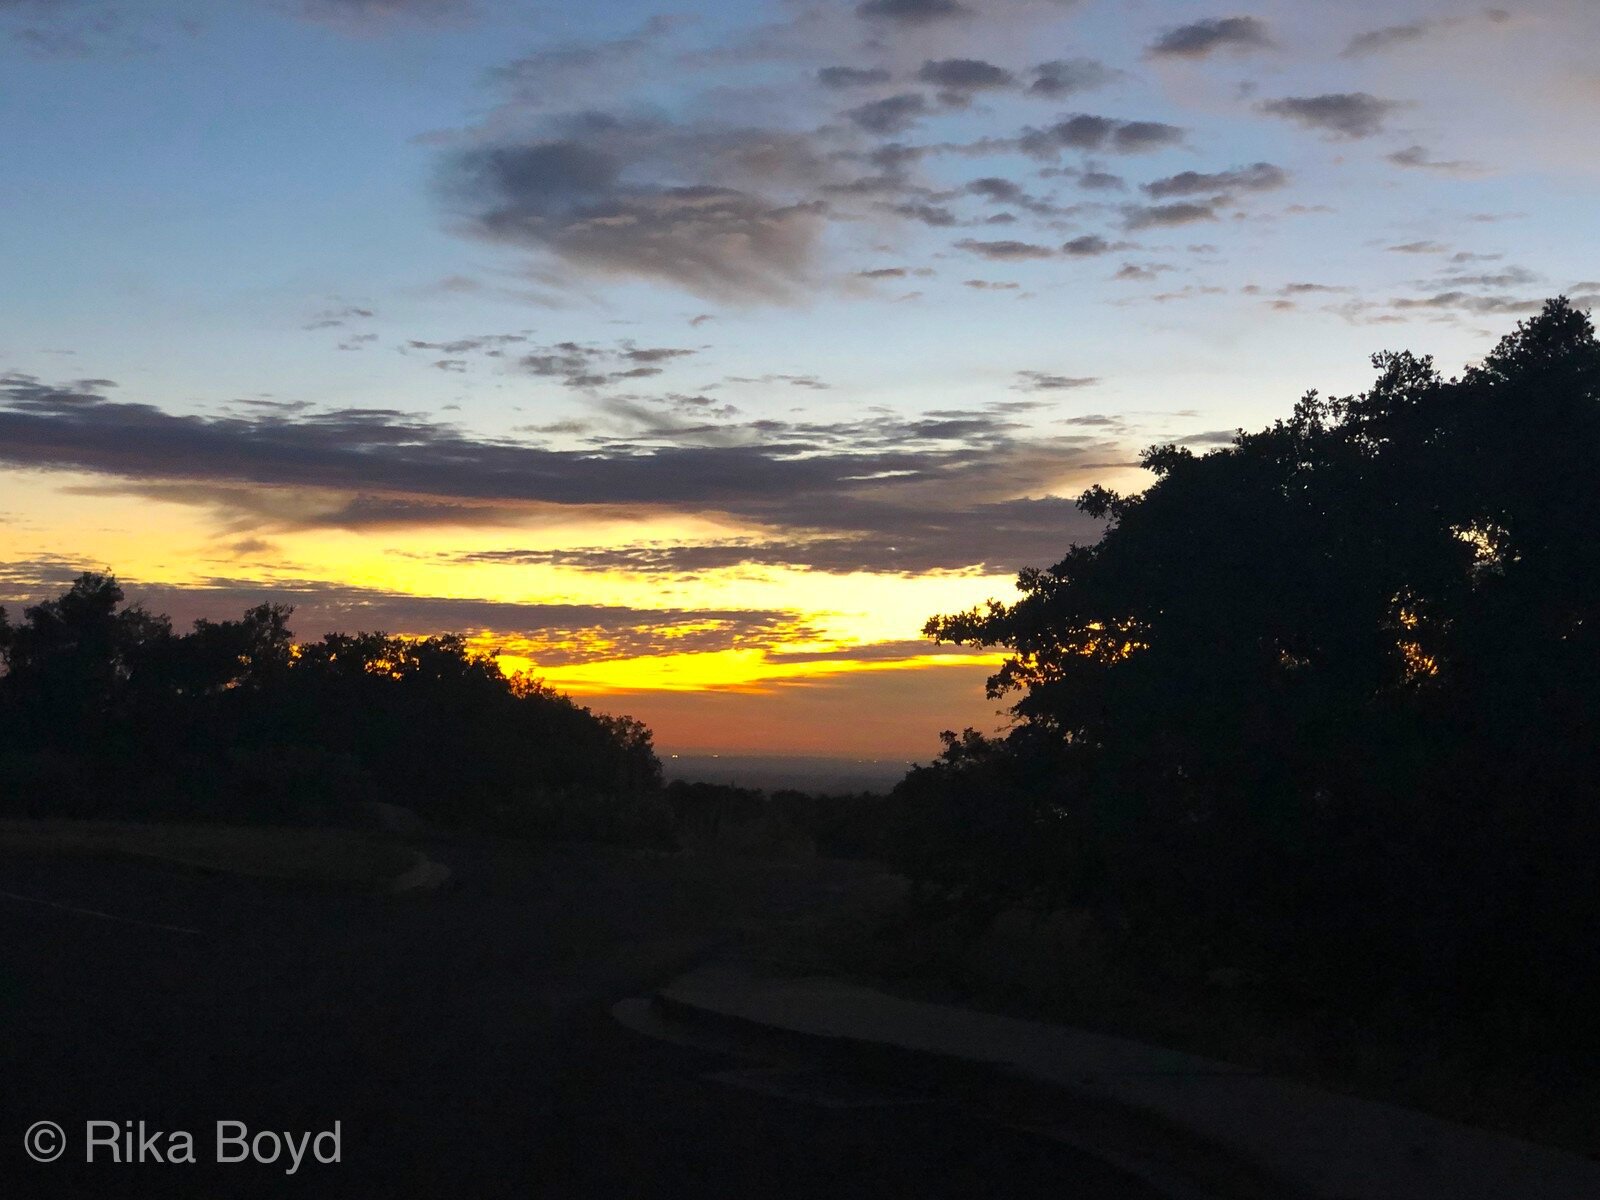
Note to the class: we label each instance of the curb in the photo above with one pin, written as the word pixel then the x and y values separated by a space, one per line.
pixel 1168 1155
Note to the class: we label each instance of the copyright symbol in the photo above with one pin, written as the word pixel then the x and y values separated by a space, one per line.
pixel 45 1141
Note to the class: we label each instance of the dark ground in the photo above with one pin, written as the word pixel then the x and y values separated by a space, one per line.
pixel 463 1040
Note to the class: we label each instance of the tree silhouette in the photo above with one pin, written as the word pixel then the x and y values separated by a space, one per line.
pixel 105 710
pixel 1325 696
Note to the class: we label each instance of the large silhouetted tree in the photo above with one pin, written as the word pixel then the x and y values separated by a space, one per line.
pixel 1327 697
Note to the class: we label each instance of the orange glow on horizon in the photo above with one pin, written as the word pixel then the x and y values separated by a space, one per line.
pixel 752 657
pixel 753 671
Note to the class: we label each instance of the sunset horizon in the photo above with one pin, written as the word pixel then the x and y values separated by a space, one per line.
pixel 810 598
pixel 692 362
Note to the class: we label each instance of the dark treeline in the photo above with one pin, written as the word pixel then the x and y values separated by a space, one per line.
pixel 1322 707
pixel 106 711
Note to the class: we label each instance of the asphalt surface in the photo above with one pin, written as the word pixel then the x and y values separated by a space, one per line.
pixel 462 1041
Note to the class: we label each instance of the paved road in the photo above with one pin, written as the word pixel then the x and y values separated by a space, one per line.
pixel 463 1041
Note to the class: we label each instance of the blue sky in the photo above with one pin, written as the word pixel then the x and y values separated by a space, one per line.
pixel 788 321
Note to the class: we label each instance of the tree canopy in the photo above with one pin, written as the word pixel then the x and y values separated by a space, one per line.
pixel 106 710
pixel 1327 695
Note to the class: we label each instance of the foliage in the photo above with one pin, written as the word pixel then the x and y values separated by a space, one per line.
pixel 1321 702
pixel 105 710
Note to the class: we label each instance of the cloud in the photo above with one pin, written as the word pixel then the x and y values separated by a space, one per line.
pixel 491 344
pixel 805 381
pixel 1389 36
pixel 61 30
pixel 367 16
pixel 1005 251
pixel 893 651
pixel 1467 302
pixel 1306 289
pixel 849 77
pixel 1416 157
pixel 1044 381
pixel 1187 292
pixel 1102 181
pixel 992 187
pixel 654 354
pixel 897 157
pixel 1142 272
pixel 1138 137
pixel 1006 191
pixel 334 318
pixel 965 75
pixel 1066 76
pixel 742 213
pixel 1086 131
pixel 578 365
pixel 990 537
pixel 79 29
pixel 570 74
pixel 866 493
pixel 1149 216
pixel 1088 246
pixel 1382 39
pixel 911 12
pixel 552 634
pixel 647 199
pixel 935 215
pixel 1422 247
pixel 887 183
pixel 1258 177
pixel 1510 277
pixel 1082 132
pixel 1201 38
pixel 1345 114
pixel 892 114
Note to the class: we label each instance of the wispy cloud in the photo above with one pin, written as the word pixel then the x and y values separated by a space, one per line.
pixel 1005 251
pixel 1418 158
pixel 1411 33
pixel 1258 177
pixel 1045 381
pixel 368 16
pixel 1151 216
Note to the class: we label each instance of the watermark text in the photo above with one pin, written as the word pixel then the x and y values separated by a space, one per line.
pixel 227 1142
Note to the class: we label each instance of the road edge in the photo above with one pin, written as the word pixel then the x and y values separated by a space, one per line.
pixel 1169 1155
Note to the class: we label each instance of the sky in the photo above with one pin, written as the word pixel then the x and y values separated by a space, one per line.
pixel 691 357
